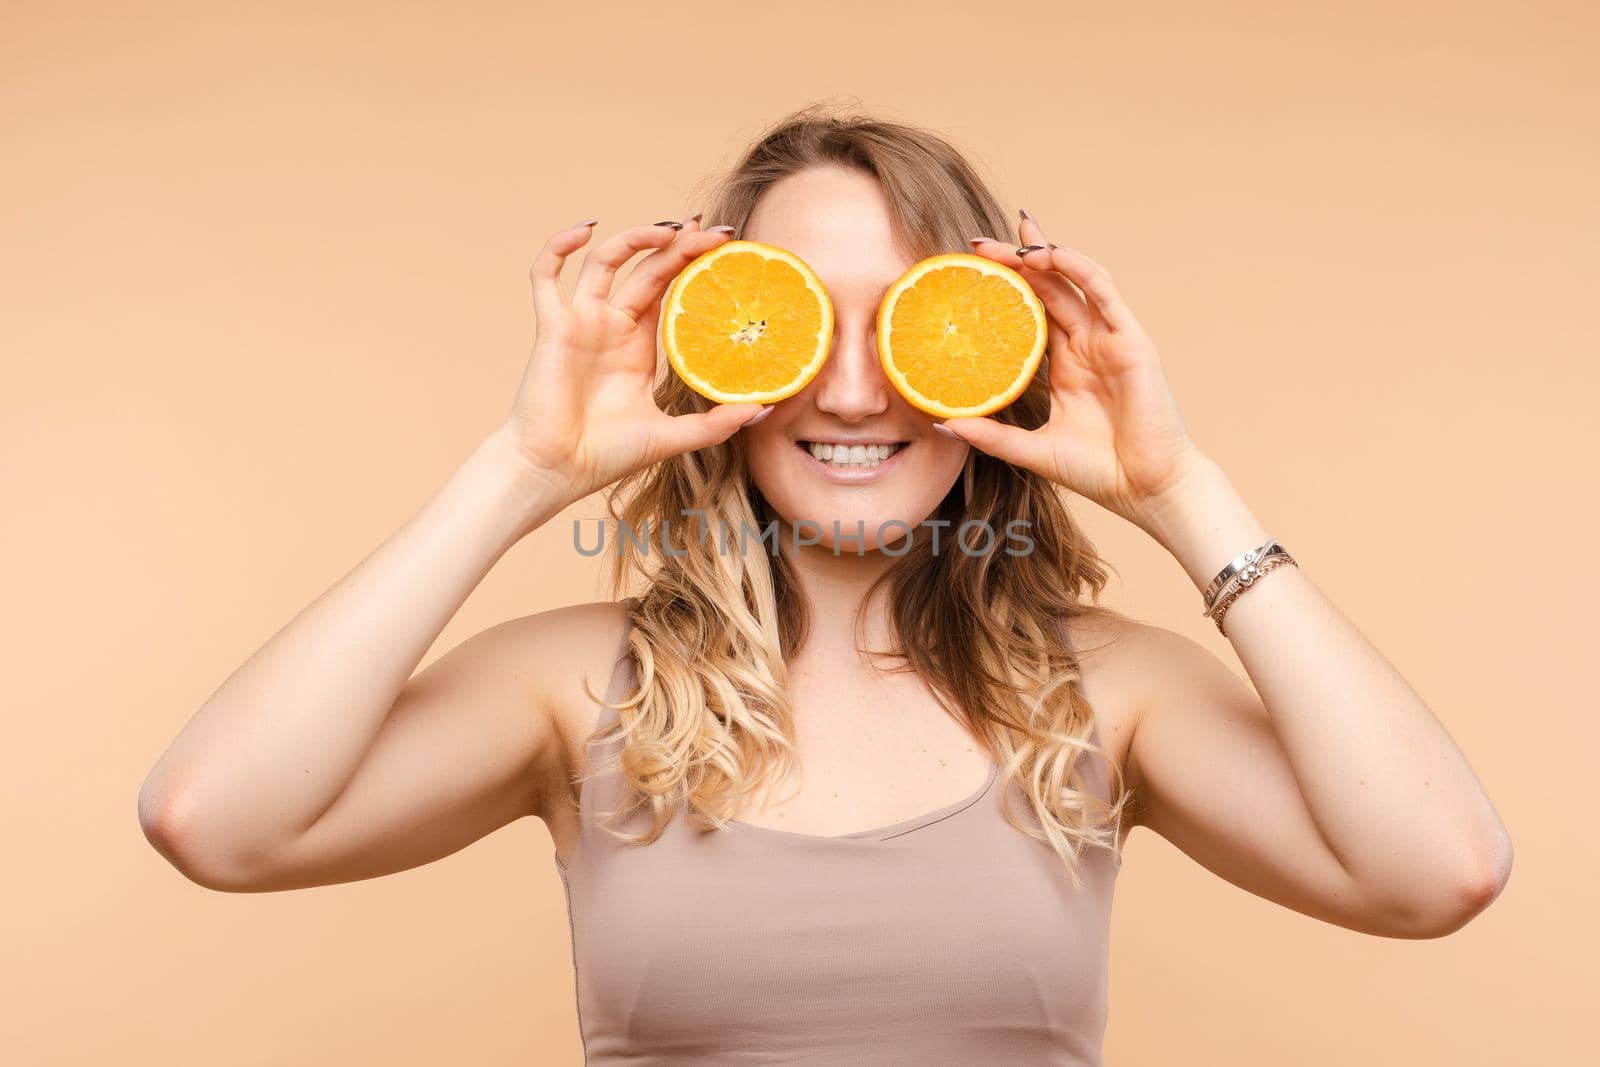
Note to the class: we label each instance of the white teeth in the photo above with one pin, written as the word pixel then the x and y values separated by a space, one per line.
pixel 851 456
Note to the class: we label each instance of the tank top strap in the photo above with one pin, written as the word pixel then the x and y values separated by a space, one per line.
pixel 1094 767
pixel 623 675
pixel 603 788
pixel 1096 770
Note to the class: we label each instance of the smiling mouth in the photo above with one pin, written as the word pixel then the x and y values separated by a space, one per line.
pixel 852 457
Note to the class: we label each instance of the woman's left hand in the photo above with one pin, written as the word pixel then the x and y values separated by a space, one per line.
pixel 1114 434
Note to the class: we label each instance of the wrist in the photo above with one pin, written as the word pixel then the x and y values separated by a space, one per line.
pixel 1159 514
pixel 528 494
pixel 1202 520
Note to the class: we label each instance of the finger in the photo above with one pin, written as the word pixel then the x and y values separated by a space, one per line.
pixel 995 249
pixel 1033 235
pixel 1023 448
pixel 1006 252
pixel 1060 299
pixel 600 265
pixel 1034 247
pixel 650 314
pixel 647 283
pixel 685 433
pixel 1029 230
pixel 1063 302
pixel 1095 281
pixel 545 275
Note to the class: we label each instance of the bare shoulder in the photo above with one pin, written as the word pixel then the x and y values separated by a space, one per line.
pixel 554 654
pixel 1119 661
pixel 1130 668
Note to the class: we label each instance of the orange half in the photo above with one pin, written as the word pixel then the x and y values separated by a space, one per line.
pixel 746 323
pixel 960 335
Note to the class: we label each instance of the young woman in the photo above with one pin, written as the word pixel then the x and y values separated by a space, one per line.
pixel 856 800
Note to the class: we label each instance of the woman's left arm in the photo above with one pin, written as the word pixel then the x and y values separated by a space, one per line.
pixel 1335 791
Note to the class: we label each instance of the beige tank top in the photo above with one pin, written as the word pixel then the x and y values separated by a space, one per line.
pixel 947 938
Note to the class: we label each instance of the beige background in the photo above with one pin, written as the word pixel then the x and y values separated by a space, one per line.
pixel 263 284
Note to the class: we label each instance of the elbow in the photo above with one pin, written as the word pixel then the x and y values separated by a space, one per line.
pixel 1455 897
pixel 170 825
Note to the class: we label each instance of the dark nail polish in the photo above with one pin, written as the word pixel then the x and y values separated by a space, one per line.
pixel 1052 245
pixel 591 222
pixel 672 224
pixel 695 217
pixel 1025 249
pixel 720 229
pixel 980 240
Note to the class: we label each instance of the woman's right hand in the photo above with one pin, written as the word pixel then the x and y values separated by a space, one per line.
pixel 584 415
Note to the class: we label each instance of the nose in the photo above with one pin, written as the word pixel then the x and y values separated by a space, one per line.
pixel 851 384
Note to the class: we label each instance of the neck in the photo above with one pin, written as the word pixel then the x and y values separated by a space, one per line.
pixel 835 587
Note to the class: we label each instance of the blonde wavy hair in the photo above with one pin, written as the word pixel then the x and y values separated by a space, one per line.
pixel 713 630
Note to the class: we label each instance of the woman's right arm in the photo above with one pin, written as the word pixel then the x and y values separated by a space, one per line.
pixel 321 759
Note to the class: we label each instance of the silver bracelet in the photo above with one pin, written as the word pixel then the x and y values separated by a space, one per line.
pixel 1239 575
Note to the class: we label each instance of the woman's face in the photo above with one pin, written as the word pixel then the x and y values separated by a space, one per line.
pixel 837 221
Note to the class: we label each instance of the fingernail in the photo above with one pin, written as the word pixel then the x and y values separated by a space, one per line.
pixel 1051 244
pixel 1024 213
pixel 720 229
pixel 758 416
pixel 695 217
pixel 1025 249
pixel 947 431
pixel 591 222
pixel 672 224
pixel 979 240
